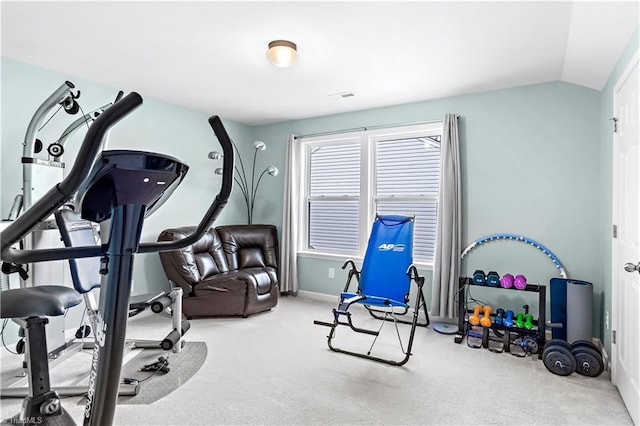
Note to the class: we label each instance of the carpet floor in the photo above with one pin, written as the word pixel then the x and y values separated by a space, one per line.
pixel 275 368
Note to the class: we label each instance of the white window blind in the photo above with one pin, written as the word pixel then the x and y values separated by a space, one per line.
pixel 407 177
pixel 333 226
pixel 351 177
pixel 334 193
pixel 407 167
pixel 335 170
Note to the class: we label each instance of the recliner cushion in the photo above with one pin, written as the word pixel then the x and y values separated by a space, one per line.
pixel 221 283
pixel 209 255
pixel 262 279
pixel 250 257
pixel 249 246
pixel 196 262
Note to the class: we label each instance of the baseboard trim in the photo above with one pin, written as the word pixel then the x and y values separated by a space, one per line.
pixel 323 297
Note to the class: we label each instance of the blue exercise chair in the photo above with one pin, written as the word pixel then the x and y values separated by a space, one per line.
pixel 383 285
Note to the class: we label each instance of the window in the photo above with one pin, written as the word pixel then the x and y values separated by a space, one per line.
pixel 351 177
pixel 334 197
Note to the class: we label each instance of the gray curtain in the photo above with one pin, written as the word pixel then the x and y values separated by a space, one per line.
pixel 290 229
pixel 446 268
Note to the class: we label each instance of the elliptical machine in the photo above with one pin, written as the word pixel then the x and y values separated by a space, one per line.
pixel 123 187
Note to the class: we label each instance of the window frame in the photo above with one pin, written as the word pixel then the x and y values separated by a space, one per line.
pixel 367 197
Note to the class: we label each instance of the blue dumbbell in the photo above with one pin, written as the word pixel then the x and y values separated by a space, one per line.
pixel 499 319
pixel 479 278
pixel 493 279
pixel 508 319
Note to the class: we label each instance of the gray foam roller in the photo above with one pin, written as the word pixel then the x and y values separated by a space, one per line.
pixel 579 311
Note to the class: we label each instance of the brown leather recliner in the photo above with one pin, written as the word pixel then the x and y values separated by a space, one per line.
pixel 232 270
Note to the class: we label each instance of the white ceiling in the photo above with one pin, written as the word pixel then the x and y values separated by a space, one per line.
pixel 210 56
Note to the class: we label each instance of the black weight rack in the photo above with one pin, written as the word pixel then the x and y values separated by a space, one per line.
pixel 537 332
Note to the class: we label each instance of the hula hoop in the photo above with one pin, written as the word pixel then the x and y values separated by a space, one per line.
pixel 521 238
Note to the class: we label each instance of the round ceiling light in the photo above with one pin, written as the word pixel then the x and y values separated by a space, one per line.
pixel 282 53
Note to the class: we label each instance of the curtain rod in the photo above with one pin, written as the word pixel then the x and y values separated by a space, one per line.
pixel 382 126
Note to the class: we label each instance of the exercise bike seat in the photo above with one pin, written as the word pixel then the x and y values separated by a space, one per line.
pixel 41 300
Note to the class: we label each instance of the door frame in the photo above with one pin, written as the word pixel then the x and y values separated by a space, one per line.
pixel 615 302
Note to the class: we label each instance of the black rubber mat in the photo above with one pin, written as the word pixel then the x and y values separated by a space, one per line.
pixel 156 385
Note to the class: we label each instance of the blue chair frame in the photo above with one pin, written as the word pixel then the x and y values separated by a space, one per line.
pixel 383 285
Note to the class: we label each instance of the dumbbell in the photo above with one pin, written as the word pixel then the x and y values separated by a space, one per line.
pixel 475 318
pixel 479 278
pixel 493 279
pixel 506 281
pixel 508 319
pixel 520 282
pixel 524 320
pixel 528 321
pixel 499 319
pixel 485 321
pixel 519 322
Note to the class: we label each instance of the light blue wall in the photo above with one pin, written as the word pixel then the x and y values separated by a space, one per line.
pixel 155 126
pixel 606 183
pixel 530 165
pixel 536 160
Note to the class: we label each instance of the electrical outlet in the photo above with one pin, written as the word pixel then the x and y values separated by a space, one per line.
pixel 332 273
pixel 606 320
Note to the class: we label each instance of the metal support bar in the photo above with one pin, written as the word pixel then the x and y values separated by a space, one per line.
pixel 126 226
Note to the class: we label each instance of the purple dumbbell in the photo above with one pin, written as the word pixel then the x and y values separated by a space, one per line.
pixel 506 281
pixel 520 282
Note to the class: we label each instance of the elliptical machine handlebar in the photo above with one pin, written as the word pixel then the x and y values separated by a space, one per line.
pixel 80 171
pixel 218 203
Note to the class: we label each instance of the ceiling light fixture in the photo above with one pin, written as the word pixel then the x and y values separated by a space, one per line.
pixel 282 53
